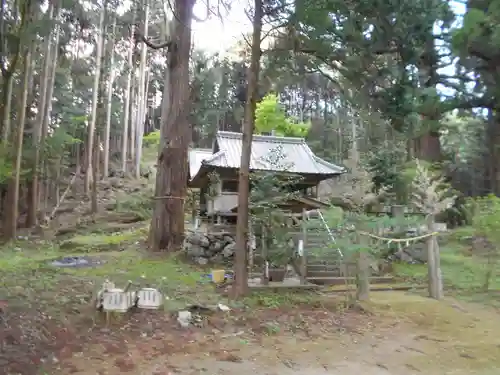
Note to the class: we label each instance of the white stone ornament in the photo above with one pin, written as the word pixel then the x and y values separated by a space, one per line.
pixel 149 298
pixel 117 300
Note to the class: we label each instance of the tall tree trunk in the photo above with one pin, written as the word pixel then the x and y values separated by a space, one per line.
pixel 95 97
pixel 493 155
pixel 165 108
pixel 240 285
pixel 428 145
pixel 127 103
pixel 107 130
pixel 11 222
pixel 95 175
pixel 168 218
pixel 43 188
pixel 141 110
pixel 133 117
pixel 42 104
pixel 6 107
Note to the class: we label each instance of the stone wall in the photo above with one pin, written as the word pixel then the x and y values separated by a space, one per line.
pixel 209 247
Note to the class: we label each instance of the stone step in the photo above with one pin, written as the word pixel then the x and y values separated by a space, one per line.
pixel 343 280
pixel 332 266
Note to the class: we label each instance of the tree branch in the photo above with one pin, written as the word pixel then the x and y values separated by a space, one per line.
pixel 140 38
pixel 471 103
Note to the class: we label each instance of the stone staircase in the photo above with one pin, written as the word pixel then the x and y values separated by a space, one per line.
pixel 327 264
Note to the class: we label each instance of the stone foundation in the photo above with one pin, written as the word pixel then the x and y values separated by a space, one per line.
pixel 209 247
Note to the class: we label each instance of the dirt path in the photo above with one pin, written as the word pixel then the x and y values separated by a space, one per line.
pixel 403 335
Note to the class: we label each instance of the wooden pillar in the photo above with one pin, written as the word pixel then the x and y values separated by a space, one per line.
pixel 435 282
pixel 397 212
pixel 265 263
pixel 363 272
pixel 250 247
pixel 302 249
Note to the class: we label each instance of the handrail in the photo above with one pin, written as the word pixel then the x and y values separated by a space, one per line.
pixel 330 234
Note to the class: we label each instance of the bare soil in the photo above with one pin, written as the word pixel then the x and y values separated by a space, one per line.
pixel 395 334
pixel 50 327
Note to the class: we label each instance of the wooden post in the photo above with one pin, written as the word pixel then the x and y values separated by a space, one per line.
pixel 302 249
pixel 250 246
pixel 194 212
pixel 397 212
pixel 363 273
pixel 439 275
pixel 433 263
pixel 265 264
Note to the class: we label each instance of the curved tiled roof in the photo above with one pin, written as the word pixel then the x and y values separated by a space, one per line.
pixel 271 153
pixel 295 154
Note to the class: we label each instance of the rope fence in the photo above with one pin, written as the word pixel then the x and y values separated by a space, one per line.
pixel 398 240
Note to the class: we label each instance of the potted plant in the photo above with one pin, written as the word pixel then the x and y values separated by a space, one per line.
pixel 278 259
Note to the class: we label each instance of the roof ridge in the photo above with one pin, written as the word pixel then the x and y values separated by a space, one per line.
pixel 214 156
pixel 262 138
pixel 328 164
pixel 316 159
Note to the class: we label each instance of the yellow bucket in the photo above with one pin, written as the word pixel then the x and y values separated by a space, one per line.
pixel 218 276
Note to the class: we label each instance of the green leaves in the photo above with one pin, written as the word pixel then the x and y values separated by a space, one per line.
pixel 470 30
pixel 269 116
pixel 486 219
pixel 152 138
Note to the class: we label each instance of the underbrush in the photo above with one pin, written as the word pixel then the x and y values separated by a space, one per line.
pixel 139 203
pixel 464 270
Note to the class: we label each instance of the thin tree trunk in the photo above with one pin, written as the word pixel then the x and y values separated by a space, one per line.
pixel 133 117
pixel 31 219
pixel 141 110
pixel 95 175
pixel 11 224
pixel 7 109
pixel 107 130
pixel 240 285
pixel 127 106
pixel 95 97
pixel 42 188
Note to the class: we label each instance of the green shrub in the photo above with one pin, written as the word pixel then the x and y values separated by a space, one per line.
pixel 152 139
pixel 486 223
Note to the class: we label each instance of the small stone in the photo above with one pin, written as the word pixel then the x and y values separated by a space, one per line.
pixel 65 353
pixel 228 251
pixel 223 307
pixel 125 364
pixel 201 261
pixel 184 318
pixel 114 348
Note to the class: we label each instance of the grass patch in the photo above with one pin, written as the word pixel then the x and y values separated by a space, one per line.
pixel 464 274
pixel 288 300
pixel 460 272
pixel 465 335
pixel 178 281
pixel 28 279
pixel 96 242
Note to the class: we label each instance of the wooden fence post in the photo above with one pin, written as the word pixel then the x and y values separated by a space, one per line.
pixel 302 249
pixel 433 263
